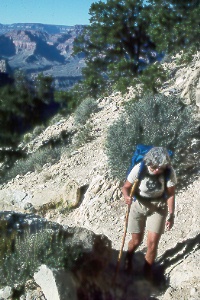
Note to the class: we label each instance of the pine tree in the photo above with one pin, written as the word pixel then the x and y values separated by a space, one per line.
pixel 175 24
pixel 126 36
pixel 116 45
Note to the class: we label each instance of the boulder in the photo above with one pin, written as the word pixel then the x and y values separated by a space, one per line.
pixel 6 293
pixel 11 199
pixel 71 193
pixel 84 254
pixel 55 284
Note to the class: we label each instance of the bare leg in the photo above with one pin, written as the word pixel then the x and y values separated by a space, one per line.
pixel 132 246
pixel 152 246
pixel 135 242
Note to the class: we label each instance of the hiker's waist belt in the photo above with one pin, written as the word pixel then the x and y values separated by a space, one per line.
pixel 142 198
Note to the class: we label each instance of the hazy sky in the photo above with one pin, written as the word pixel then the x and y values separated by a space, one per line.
pixel 59 12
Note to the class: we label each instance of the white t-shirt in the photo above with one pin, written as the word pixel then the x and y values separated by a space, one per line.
pixel 151 185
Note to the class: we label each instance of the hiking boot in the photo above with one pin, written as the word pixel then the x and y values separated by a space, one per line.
pixel 148 273
pixel 128 262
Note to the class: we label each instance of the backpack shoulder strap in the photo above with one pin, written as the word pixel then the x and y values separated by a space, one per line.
pixel 141 170
pixel 167 174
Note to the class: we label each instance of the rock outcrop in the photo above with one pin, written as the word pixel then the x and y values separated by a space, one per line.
pixel 185 82
pixel 85 255
pixel 61 283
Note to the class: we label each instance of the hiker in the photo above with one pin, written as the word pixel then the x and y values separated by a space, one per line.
pixel 152 205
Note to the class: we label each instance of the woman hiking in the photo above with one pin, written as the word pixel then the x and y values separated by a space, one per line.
pixel 152 206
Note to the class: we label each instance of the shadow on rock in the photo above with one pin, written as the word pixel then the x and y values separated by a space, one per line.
pixel 176 255
pixel 135 285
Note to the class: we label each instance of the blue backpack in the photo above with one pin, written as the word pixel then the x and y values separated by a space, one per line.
pixel 138 156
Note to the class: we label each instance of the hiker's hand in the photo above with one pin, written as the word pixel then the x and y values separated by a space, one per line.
pixel 170 221
pixel 169 224
pixel 128 200
pixel 126 190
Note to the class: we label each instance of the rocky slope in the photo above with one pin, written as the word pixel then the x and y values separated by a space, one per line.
pixel 81 179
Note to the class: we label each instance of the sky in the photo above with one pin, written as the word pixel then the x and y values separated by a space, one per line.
pixel 58 12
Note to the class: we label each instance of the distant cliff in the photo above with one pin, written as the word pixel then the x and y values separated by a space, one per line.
pixel 51 29
pixel 36 48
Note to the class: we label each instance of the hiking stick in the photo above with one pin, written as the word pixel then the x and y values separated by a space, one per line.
pixel 125 230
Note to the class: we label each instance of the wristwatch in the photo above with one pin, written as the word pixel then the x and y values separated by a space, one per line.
pixel 170 217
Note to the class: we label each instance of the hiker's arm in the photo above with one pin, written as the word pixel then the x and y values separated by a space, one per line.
pixel 126 192
pixel 171 207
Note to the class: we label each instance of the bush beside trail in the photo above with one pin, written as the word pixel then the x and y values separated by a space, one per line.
pixel 157 120
pixel 84 110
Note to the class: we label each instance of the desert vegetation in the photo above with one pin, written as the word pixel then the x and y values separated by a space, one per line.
pixel 157 120
pixel 21 253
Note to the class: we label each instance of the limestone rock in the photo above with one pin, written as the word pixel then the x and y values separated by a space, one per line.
pixel 6 293
pixel 55 284
pixel 71 193
pixel 186 82
pixel 10 198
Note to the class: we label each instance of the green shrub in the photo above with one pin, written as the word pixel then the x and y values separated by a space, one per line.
pixel 56 119
pixel 30 251
pixel 84 110
pixel 84 135
pixel 37 130
pixel 155 120
pixel 33 134
pixel 27 138
pixel 34 162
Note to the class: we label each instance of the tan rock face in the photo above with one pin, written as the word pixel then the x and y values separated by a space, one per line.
pixel 187 82
pixel 71 193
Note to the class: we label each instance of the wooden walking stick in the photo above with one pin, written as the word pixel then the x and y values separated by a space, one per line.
pixel 125 229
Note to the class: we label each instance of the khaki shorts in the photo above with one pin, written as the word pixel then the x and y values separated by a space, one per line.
pixel 147 214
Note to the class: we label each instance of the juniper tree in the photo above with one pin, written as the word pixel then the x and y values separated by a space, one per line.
pixel 174 24
pixel 116 44
pixel 125 36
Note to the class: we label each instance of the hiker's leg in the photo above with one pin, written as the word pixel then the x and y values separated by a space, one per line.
pixel 133 244
pixel 155 226
pixel 135 241
pixel 152 246
pixel 136 226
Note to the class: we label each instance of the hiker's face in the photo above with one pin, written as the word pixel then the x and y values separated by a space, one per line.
pixel 156 169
